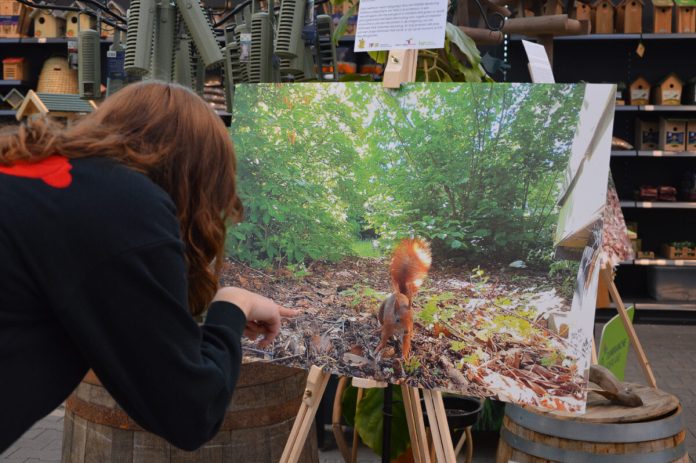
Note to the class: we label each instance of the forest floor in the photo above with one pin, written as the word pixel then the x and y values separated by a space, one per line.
pixel 485 333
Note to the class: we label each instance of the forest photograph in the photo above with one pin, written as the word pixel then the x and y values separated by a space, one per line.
pixel 413 231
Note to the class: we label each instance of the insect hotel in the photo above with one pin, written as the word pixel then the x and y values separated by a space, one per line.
pixel 629 17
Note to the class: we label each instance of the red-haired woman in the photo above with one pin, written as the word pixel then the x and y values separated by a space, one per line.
pixel 111 237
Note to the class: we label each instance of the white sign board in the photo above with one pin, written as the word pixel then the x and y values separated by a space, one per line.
pixel 539 65
pixel 400 24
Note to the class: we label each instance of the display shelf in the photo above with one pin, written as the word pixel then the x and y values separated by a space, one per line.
pixel 627 203
pixel 8 113
pixel 611 37
pixel 663 204
pixel 665 262
pixel 667 154
pixel 43 40
pixel 651 304
pixel 656 108
pixel 652 154
pixel 13 83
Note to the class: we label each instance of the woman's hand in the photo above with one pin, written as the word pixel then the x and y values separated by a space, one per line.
pixel 262 314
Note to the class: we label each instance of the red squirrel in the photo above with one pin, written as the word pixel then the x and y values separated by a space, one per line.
pixel 409 266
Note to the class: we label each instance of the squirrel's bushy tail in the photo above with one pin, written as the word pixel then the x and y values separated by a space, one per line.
pixel 409 266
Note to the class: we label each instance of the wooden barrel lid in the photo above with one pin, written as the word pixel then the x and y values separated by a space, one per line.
pixel 656 404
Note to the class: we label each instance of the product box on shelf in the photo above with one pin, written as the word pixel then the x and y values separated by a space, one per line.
pixel 12 19
pixel 647 135
pixel 668 91
pixel 672 283
pixel 672 134
pixel 691 135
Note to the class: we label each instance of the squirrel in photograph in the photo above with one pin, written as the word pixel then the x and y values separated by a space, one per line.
pixel 409 266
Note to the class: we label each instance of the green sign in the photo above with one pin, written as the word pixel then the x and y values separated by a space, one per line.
pixel 613 346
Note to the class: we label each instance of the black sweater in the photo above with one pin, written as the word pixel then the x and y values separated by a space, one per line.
pixel 92 275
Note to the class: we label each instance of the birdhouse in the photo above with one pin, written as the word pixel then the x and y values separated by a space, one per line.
pixel 106 30
pixel 662 16
pixel 689 92
pixel 603 17
pixel 581 11
pixel 686 16
pixel 552 7
pixel 668 91
pixel 629 17
pixel 639 92
pixel 57 105
pixel 76 22
pixel 48 24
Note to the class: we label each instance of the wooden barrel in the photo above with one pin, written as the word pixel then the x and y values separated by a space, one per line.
pixel 606 433
pixel 255 429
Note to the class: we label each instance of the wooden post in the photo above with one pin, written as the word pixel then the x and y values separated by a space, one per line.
pixel 316 385
pixel 401 67
pixel 605 274
pixel 416 425
pixel 442 441
pixel 336 420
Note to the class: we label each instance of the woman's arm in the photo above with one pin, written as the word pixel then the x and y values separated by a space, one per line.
pixel 129 318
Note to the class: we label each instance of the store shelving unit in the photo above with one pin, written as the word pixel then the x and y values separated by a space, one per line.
pixel 612 59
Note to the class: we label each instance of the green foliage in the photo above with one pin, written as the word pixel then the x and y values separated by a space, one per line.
pixel 362 295
pixel 365 249
pixel 566 272
pixel 474 169
pixel 412 365
pixel 437 308
pixel 369 420
pixel 491 417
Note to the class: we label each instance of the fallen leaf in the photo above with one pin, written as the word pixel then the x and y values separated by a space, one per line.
pixel 355 360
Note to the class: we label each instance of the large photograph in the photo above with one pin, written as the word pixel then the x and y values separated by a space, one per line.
pixel 415 231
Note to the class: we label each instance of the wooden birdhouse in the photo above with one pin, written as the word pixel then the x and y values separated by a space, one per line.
pixel 639 92
pixel 57 105
pixel 686 16
pixel 48 23
pixel 668 91
pixel 552 7
pixel 76 21
pixel 629 17
pixel 603 17
pixel 106 30
pixel 662 16
pixel 581 11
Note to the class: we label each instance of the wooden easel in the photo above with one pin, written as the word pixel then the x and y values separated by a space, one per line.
pixel 605 273
pixel 401 67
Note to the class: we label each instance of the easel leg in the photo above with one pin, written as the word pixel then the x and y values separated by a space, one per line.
pixel 416 426
pixel 442 441
pixel 605 274
pixel 336 420
pixel 316 385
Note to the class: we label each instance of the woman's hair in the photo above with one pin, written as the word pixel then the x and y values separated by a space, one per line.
pixel 170 134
